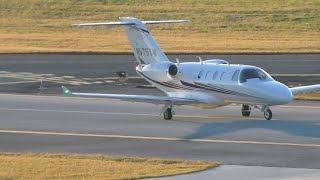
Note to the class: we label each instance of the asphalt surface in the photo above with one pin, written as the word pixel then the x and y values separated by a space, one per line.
pixel 60 124
pixel 23 73
pixel 82 65
pixel 64 124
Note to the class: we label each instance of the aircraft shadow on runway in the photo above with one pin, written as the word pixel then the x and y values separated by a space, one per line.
pixel 306 129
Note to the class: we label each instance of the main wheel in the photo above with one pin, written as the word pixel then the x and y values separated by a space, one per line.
pixel 245 110
pixel 167 115
pixel 268 114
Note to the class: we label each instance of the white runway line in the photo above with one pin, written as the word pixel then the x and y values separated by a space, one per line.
pixel 25 73
pixel 160 138
pixel 18 82
pixel 82 98
pixel 69 77
pixel 47 77
pixel 295 106
pixel 115 113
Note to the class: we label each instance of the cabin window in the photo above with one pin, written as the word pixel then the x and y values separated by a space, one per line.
pixel 214 76
pixel 208 74
pixel 200 74
pixel 222 75
pixel 235 75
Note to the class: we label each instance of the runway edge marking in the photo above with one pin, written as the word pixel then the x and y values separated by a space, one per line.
pixel 159 138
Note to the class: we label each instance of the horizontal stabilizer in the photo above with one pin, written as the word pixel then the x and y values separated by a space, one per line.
pixel 105 24
pixel 129 23
pixel 165 22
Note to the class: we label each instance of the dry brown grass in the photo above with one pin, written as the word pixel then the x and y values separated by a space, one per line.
pixel 216 26
pixel 181 42
pixel 314 95
pixel 75 166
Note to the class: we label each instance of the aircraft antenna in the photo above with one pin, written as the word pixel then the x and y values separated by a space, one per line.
pixel 177 60
pixel 200 59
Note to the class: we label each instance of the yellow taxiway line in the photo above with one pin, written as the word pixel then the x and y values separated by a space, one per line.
pixel 159 138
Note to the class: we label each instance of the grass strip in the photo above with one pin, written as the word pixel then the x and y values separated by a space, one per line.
pixel 216 26
pixel 76 166
pixel 314 95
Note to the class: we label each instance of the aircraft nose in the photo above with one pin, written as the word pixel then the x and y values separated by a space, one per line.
pixel 280 94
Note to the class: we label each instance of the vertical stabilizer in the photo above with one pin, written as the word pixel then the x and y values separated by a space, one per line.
pixel 145 48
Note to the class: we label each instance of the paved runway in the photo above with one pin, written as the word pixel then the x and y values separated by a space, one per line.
pixel 64 124
pixel 92 66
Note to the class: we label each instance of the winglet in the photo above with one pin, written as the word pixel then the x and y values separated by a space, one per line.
pixel 66 91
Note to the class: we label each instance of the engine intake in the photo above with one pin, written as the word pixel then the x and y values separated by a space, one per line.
pixel 173 70
pixel 161 72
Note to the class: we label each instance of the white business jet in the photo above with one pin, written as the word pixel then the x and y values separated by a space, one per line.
pixel 207 83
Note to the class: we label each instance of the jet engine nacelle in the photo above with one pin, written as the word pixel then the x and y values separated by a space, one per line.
pixel 161 72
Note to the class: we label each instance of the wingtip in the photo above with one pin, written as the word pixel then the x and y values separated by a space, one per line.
pixel 66 90
pixel 75 25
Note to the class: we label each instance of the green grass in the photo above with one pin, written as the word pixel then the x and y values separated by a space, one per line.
pixel 220 25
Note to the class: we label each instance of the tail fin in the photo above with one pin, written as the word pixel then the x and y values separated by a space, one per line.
pixel 145 48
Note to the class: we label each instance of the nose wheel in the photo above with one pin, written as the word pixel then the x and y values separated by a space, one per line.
pixel 267 114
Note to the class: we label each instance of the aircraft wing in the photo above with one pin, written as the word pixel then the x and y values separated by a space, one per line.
pixel 136 98
pixel 302 89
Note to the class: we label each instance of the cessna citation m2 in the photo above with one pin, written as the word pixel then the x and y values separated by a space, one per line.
pixel 208 84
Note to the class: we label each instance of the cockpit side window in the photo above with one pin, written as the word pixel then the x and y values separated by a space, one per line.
pixel 235 75
pixel 262 74
pixel 248 74
pixel 253 73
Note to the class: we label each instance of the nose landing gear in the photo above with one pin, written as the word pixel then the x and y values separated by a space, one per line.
pixel 246 110
pixel 267 113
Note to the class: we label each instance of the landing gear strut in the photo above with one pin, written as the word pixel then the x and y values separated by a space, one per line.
pixel 246 110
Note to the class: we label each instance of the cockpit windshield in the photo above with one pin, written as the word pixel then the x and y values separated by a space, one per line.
pixel 251 73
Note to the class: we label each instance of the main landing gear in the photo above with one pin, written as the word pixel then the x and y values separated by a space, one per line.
pixel 246 110
pixel 167 111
